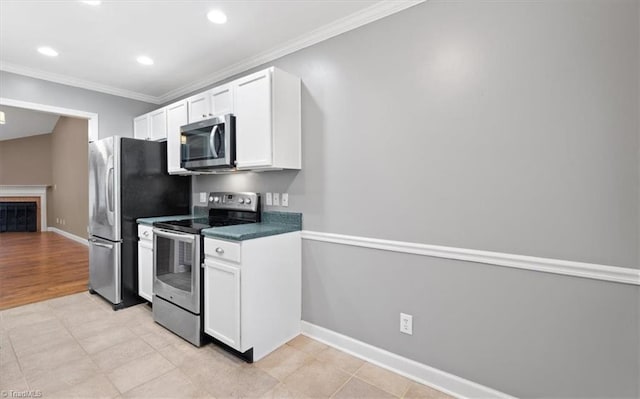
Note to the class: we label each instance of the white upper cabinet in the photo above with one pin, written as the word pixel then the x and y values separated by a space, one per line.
pixel 253 120
pixel 158 124
pixel 221 100
pixel 199 108
pixel 214 102
pixel 151 126
pixel 141 127
pixel 177 116
pixel 266 105
pixel 268 121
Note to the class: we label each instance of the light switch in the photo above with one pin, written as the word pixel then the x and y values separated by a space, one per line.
pixel 285 199
pixel 203 198
pixel 276 199
pixel 269 199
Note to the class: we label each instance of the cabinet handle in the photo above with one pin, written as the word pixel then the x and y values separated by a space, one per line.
pixel 220 250
pixel 210 114
pixel 204 115
pixel 146 234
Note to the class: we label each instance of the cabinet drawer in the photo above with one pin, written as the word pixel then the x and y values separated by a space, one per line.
pixel 220 249
pixel 145 232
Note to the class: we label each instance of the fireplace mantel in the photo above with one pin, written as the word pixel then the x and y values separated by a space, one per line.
pixel 29 191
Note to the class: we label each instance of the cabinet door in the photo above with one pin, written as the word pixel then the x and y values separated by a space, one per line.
pixel 145 270
pixel 141 127
pixel 221 100
pixel 222 302
pixel 158 125
pixel 176 117
pixel 253 120
pixel 199 107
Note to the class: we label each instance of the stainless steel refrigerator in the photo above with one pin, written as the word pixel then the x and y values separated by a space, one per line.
pixel 127 180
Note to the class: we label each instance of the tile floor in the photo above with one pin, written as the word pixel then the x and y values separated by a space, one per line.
pixel 76 346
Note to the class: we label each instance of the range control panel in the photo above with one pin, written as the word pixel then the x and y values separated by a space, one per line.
pixel 237 201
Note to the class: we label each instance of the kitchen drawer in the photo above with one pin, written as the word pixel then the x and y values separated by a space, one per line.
pixel 220 249
pixel 145 232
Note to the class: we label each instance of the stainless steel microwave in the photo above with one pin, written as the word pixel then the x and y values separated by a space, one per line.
pixel 209 144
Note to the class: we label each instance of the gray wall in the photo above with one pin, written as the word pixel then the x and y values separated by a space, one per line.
pixel 115 114
pixel 503 126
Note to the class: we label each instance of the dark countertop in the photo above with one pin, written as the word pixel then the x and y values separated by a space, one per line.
pixel 272 223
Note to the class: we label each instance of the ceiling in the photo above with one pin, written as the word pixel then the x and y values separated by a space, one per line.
pixel 98 45
pixel 22 122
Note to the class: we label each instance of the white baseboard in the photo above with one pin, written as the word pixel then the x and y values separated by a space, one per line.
pixel 421 373
pixel 73 237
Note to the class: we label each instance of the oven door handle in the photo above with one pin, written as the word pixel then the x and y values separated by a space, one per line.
pixel 175 236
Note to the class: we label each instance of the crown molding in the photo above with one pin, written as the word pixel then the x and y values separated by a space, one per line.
pixel 370 14
pixel 350 22
pixel 75 82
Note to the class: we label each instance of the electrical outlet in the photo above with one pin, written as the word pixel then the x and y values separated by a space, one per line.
pixel 276 199
pixel 203 198
pixel 406 323
pixel 269 199
pixel 58 220
pixel 63 222
pixel 285 199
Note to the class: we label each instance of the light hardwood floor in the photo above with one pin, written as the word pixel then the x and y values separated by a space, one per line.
pixel 39 266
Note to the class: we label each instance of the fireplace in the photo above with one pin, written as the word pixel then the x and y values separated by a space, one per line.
pixel 26 194
pixel 18 217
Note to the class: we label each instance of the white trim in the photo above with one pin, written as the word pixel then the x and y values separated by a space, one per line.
pixel 370 14
pixel 73 237
pixel 75 82
pixel 92 126
pixel 29 191
pixel 437 379
pixel 569 268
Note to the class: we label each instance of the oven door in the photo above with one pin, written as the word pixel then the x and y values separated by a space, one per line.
pixel 208 144
pixel 176 271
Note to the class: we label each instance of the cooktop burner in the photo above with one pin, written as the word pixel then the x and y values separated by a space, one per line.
pixel 196 225
pixel 225 209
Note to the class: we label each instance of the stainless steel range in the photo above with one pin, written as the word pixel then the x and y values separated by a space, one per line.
pixel 178 255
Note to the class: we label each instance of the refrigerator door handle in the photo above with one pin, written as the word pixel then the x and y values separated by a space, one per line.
pixel 99 244
pixel 110 199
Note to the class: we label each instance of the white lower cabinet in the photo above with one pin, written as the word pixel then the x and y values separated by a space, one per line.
pixel 222 298
pixel 145 262
pixel 252 292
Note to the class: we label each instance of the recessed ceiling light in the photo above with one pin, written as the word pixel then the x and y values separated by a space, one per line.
pixel 48 51
pixel 92 2
pixel 217 17
pixel 144 60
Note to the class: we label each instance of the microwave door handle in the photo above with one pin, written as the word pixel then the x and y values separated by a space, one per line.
pixel 212 141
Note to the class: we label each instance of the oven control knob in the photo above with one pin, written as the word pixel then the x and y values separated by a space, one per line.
pixel 240 200
pixel 216 199
pixel 211 199
pixel 247 201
